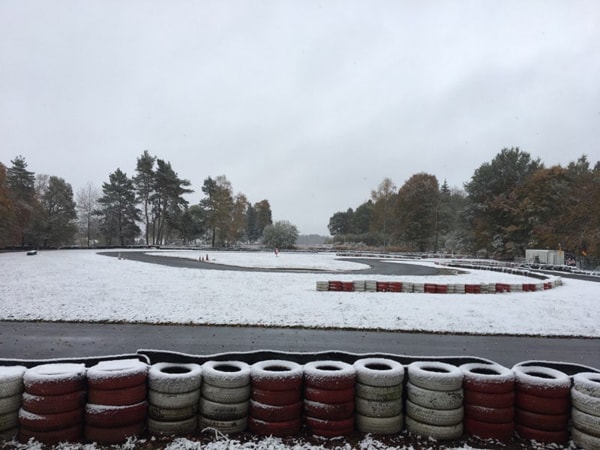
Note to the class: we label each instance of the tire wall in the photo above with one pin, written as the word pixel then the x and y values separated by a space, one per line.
pixel 327 394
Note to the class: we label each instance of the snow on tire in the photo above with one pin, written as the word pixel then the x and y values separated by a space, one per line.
pixel 379 372
pixel 115 416
pixel 53 404
pixel 588 423
pixel 329 395
pixel 223 411
pixel 55 379
pixel 488 378
pixel 271 413
pixel 179 400
pixel 11 380
pixel 50 422
pixel 175 427
pixel 113 435
pixel 330 428
pixel 118 397
pixel 437 417
pixel 117 374
pixel 224 426
pixel 276 398
pixel 174 378
pixel 585 440
pixel 226 374
pixel 328 411
pixel 587 383
pixel 379 425
pixel 434 431
pixel 435 376
pixel 585 403
pixel 378 393
pixel 434 399
pixel 333 375
pixel 226 395
pixel 489 415
pixel 542 381
pixel 377 409
pixel 277 429
pixel 276 375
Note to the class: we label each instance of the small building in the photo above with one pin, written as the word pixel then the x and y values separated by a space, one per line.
pixel 554 257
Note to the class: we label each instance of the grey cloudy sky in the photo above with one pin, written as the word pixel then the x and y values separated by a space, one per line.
pixel 306 103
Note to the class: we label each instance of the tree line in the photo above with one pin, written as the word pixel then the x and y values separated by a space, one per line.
pixel 148 208
pixel 510 204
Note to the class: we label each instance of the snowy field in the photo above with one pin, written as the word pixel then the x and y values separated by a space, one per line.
pixel 87 287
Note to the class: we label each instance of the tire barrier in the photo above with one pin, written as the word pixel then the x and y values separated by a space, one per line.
pixel 225 396
pixel 585 412
pixel 434 405
pixel 276 398
pixel 173 396
pixel 433 288
pixel 378 396
pixel 340 393
pixel 53 410
pixel 329 398
pixel 489 401
pixel 11 389
pixel 117 401
pixel 542 404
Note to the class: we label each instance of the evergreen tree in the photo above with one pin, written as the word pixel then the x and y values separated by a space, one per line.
pixel 118 211
pixel 263 216
pixel 144 182
pixel 217 205
pixel 21 186
pixel 59 213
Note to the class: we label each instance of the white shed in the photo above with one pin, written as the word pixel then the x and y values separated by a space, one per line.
pixel 555 257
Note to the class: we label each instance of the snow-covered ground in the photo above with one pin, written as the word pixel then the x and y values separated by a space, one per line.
pixel 84 286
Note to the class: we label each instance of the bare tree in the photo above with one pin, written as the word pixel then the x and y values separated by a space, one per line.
pixel 87 203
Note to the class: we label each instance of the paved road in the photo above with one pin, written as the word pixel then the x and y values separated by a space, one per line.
pixel 43 340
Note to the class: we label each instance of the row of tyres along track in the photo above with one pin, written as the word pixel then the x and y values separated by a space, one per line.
pixel 376 266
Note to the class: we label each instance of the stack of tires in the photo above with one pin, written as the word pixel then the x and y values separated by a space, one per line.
pixel 117 405
pixel 276 398
pixel 489 399
pixel 329 398
pixel 53 403
pixel 585 415
pixel 378 396
pixel 173 396
pixel 11 388
pixel 543 397
pixel 434 405
pixel 225 398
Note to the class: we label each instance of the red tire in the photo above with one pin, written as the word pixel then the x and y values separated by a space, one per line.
pixel 488 378
pixel 276 398
pixel 50 422
pixel 115 416
pixel 329 395
pixel 113 435
pixel 118 397
pixel 330 428
pixel 270 413
pixel 485 430
pixel 557 437
pixel 117 374
pixel 544 405
pixel 53 404
pixel 329 375
pixel 545 422
pixel 276 375
pixel 542 381
pixel 71 434
pixel 329 411
pixel 504 400
pixel 277 429
pixel 55 379
pixel 489 415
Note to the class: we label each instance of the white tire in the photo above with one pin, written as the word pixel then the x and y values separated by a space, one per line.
pixel 373 408
pixel 379 372
pixel 226 395
pixel 435 376
pixel 223 411
pixel 587 383
pixel 11 380
pixel 227 374
pixel 379 425
pixel 172 427
pixel 440 433
pixel 585 440
pixel 10 404
pixel 224 426
pixel 434 399
pixel 437 417
pixel 381 394
pixel 173 401
pixel 9 421
pixel 587 423
pixel 174 378
pixel 172 414
pixel 585 403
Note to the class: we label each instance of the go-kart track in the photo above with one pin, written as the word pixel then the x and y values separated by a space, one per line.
pixel 74 331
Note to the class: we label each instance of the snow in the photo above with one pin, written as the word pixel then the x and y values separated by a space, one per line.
pixel 54 373
pixel 117 369
pixel 542 377
pixel 83 286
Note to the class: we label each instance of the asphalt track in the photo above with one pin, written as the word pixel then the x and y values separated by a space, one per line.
pixel 49 340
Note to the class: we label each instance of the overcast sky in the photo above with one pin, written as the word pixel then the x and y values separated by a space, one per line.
pixel 308 104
